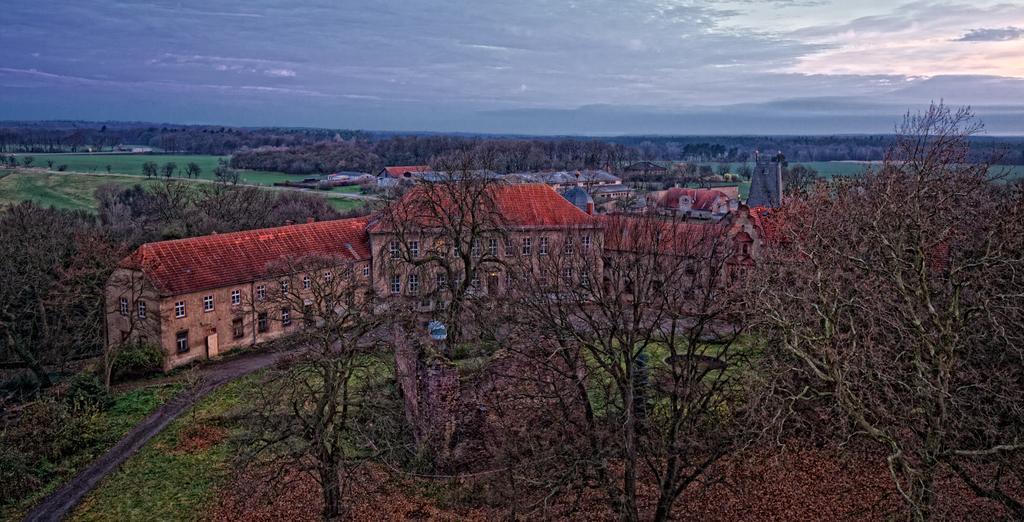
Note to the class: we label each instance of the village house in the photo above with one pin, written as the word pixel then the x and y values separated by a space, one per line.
pixel 390 177
pixel 200 297
pixel 645 168
pixel 692 203
pixel 565 179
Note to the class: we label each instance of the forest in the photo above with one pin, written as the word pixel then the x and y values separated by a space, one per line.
pixel 309 150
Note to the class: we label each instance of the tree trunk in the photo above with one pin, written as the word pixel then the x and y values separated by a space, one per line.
pixel 922 493
pixel 330 484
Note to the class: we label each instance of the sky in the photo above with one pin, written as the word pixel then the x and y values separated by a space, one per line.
pixel 515 66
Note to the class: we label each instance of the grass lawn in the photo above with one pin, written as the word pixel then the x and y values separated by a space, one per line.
pixel 176 475
pixel 129 409
pixel 131 164
pixel 74 191
pixel 67 191
pixel 343 205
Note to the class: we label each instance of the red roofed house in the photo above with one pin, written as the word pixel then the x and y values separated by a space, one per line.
pixel 193 297
pixel 391 176
pixel 707 204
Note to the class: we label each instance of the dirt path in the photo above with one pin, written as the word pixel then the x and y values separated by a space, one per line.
pixel 59 504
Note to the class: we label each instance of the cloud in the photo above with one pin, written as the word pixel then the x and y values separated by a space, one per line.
pixel 280 73
pixel 1004 34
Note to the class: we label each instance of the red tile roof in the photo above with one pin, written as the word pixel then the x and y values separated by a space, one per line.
pixel 703 199
pixel 519 205
pixel 188 265
pixel 769 223
pixel 647 234
pixel 400 171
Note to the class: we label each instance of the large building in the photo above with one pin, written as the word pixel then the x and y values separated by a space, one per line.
pixel 197 298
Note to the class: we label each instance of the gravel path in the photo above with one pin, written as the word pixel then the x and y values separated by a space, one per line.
pixel 61 502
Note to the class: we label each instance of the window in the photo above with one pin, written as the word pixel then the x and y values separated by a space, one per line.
pixel 567 276
pixel 393 249
pixel 414 248
pixel 328 277
pixel 261 322
pixel 510 248
pixel 124 306
pixel 442 280
pixel 286 316
pixel 208 303
pixel 527 247
pixel 567 246
pixel 284 286
pixel 181 341
pixel 308 317
pixel 236 297
pixel 414 284
pixel 585 280
pixel 366 270
pixel 492 247
pixel 475 281
pixel 396 284
pixel 142 309
pixel 261 292
pixel 179 309
pixel 542 246
pixel 476 248
pixel 237 327
pixel 585 241
pixel 306 282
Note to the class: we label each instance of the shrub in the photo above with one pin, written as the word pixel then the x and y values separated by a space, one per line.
pixel 87 392
pixel 137 360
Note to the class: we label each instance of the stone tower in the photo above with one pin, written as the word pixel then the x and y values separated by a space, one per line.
pixel 766 182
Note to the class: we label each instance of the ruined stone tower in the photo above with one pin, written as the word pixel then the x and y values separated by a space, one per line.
pixel 766 182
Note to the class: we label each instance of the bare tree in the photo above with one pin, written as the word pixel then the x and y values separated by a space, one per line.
pixel 192 170
pixel 888 304
pixel 169 168
pixel 315 408
pixel 798 179
pixel 639 357
pixel 149 169
pixel 444 231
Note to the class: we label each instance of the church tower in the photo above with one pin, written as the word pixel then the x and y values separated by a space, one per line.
pixel 766 182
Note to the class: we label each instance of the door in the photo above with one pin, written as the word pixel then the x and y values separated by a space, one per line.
pixel 212 350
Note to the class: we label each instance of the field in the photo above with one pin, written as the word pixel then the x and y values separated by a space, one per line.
pixel 131 164
pixel 73 191
pixel 67 191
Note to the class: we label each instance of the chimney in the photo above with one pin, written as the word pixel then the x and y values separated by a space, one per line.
pixel 590 208
pixel 310 219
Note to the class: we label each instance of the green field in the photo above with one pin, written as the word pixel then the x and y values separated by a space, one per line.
pixel 131 164
pixel 67 191
pixel 75 191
